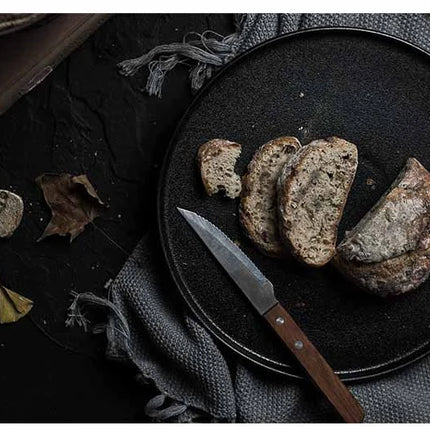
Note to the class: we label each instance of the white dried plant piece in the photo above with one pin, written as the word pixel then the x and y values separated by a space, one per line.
pixel 11 211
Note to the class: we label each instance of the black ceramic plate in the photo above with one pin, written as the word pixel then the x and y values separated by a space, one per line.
pixel 370 89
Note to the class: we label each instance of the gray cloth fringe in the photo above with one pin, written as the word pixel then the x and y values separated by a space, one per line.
pixel 155 408
pixel 76 315
pixel 170 347
pixel 204 53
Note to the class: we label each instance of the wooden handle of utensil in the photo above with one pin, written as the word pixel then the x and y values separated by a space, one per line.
pixel 315 365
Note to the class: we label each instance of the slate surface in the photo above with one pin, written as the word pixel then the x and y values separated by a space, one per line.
pixel 84 118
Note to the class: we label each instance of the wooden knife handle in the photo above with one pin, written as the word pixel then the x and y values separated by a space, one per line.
pixel 315 365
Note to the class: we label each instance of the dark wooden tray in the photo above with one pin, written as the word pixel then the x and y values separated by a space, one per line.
pixel 28 56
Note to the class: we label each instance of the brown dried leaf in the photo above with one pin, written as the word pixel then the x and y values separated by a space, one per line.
pixel 73 202
pixel 13 306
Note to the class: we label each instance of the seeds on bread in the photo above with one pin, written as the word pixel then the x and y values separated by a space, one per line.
pixel 217 159
pixel 313 187
pixel 388 251
pixel 258 206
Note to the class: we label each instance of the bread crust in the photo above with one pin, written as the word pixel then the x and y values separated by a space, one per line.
pixel 251 182
pixel 289 181
pixel 398 226
pixel 398 223
pixel 391 277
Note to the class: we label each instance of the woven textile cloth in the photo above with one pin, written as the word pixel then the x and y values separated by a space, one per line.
pixel 197 378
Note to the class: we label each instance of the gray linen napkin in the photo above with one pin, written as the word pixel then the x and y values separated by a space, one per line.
pixel 151 327
pixel 195 378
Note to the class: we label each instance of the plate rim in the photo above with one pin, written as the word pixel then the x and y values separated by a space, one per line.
pixel 291 371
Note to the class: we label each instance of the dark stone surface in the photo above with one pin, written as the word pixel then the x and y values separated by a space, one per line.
pixel 84 118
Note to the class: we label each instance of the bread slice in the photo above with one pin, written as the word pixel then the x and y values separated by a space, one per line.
pixel 388 251
pixel 258 209
pixel 397 223
pixel 312 191
pixel 217 159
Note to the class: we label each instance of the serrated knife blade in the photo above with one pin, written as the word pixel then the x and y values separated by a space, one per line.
pixel 256 287
pixel 259 290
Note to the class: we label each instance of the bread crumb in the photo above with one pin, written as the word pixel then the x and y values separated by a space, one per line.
pixel 371 183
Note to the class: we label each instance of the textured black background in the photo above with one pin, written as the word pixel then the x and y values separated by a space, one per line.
pixel 84 118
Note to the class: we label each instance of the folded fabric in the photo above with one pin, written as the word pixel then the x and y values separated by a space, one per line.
pixel 151 327
pixel 199 380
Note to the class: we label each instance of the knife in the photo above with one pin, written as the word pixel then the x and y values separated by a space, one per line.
pixel 259 291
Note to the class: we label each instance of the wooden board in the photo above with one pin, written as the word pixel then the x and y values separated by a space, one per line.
pixel 28 56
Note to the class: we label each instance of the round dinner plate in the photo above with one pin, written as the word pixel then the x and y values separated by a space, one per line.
pixel 368 88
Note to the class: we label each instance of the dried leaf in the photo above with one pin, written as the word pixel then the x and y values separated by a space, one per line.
pixel 13 306
pixel 73 202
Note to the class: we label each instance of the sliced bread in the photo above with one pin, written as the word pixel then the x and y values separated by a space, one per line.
pixel 217 159
pixel 258 206
pixel 397 223
pixel 391 277
pixel 388 251
pixel 313 187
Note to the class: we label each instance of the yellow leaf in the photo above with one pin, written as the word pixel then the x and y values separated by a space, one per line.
pixel 13 306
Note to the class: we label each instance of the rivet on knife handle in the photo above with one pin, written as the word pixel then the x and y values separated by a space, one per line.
pixel 315 365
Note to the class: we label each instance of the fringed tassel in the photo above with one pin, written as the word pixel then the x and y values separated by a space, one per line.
pixel 153 410
pixel 209 50
pixel 76 316
pixel 157 73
